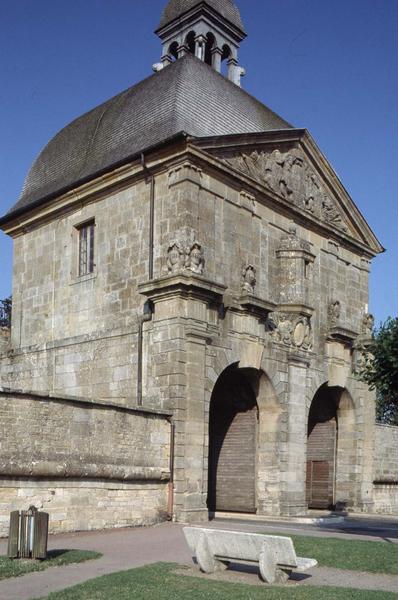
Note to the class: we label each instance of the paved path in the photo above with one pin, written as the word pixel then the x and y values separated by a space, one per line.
pixel 128 548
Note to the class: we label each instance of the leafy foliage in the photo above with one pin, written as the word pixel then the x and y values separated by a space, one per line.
pixel 379 370
pixel 5 312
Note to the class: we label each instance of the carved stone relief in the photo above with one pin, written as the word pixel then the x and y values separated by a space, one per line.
pixel 334 312
pixel 195 258
pixel 249 279
pixel 290 175
pixel 291 241
pixel 368 323
pixel 175 257
pixel 185 255
pixel 292 330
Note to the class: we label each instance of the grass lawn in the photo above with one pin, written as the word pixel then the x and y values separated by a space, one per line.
pixel 355 555
pixel 55 558
pixel 158 582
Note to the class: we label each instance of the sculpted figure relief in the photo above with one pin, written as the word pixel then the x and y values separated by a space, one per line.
pixel 185 255
pixel 175 257
pixel 195 258
pixel 334 312
pixel 368 323
pixel 249 279
pixel 291 176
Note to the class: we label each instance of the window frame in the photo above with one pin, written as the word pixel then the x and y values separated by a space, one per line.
pixel 86 249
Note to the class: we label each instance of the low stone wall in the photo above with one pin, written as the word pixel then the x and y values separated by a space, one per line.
pixel 386 469
pixel 90 465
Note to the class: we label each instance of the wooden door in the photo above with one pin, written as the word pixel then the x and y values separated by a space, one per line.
pixel 233 443
pixel 321 452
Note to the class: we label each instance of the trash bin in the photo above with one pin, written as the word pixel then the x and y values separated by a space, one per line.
pixel 28 534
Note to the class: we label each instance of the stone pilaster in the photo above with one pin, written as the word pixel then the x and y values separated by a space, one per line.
pixel 293 495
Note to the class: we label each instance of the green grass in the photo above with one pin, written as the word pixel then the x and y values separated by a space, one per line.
pixel 158 582
pixel 355 555
pixel 56 558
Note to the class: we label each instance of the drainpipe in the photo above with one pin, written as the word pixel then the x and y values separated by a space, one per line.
pixel 144 318
pixel 151 180
pixel 170 501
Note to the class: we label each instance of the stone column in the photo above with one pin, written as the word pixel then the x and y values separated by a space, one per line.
pixel 181 330
pixel 200 45
pixel 217 55
pixel 293 497
pixel 192 492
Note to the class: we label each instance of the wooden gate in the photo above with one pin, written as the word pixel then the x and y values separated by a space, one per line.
pixel 233 443
pixel 321 453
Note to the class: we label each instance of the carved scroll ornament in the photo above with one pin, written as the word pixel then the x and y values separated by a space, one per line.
pixel 292 330
pixel 290 175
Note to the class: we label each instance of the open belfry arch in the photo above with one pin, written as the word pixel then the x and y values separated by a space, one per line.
pixel 190 296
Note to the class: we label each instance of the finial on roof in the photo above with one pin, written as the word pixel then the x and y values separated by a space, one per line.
pixel 210 29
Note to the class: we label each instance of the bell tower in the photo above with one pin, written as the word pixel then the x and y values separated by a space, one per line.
pixel 211 30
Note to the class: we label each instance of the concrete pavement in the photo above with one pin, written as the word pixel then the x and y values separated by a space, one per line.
pixel 128 548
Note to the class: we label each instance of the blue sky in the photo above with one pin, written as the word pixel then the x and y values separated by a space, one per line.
pixel 331 67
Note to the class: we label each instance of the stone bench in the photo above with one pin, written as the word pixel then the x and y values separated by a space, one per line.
pixel 215 548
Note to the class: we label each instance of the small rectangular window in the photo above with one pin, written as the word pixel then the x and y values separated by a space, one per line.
pixel 86 249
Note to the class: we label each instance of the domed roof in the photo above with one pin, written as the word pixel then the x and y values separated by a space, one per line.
pixel 187 96
pixel 226 8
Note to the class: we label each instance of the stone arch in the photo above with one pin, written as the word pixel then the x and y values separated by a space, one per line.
pixel 173 50
pixel 225 57
pixel 210 44
pixel 190 41
pixel 267 436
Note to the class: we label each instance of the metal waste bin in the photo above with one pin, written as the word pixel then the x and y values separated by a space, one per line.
pixel 28 534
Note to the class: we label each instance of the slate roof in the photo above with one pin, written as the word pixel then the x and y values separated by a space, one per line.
pixel 226 8
pixel 187 96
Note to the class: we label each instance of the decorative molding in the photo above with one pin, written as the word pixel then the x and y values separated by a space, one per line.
pixel 184 284
pixel 290 175
pixel 185 172
pixel 291 241
pixel 295 268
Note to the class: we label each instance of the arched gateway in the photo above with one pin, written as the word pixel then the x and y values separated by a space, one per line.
pixel 233 444
pixel 331 448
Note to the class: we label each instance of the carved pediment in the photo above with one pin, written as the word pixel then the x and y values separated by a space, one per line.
pixel 290 175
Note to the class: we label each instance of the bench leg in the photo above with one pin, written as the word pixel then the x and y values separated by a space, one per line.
pixel 282 575
pixel 267 564
pixel 206 561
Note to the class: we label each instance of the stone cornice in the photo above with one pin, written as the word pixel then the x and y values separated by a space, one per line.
pixel 256 306
pixel 188 286
pixel 342 335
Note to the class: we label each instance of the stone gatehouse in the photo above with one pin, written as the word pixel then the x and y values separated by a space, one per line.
pixel 190 296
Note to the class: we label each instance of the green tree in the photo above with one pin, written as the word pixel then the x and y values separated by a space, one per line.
pixel 379 370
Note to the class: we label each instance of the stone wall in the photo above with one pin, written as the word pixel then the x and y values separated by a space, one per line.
pixel 386 469
pixel 89 465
